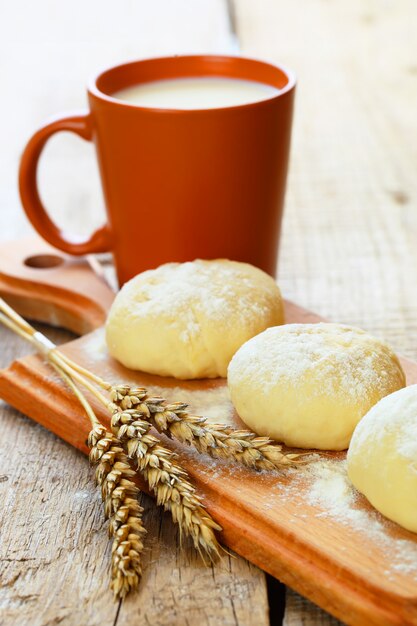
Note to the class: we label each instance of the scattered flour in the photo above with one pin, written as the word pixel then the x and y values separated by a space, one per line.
pixel 188 319
pixel 195 290
pixel 329 488
pixel 94 349
pixel 213 403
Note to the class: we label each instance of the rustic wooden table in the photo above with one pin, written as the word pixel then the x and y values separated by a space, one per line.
pixel 349 251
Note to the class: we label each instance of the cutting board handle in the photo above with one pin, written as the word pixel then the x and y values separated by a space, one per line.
pixel 45 285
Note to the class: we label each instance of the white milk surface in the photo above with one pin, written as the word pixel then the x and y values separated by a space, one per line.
pixel 196 93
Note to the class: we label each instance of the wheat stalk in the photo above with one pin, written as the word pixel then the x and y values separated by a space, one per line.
pixel 217 440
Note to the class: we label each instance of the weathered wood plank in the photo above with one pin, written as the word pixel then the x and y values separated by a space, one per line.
pixel 349 238
pixel 299 611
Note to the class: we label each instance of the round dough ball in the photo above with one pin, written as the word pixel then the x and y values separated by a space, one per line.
pixel 188 319
pixel 382 458
pixel 308 385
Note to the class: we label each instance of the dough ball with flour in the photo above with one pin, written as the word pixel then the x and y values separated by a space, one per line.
pixel 382 458
pixel 188 319
pixel 308 385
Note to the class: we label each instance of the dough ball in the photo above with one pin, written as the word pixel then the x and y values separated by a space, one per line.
pixel 308 385
pixel 382 458
pixel 188 319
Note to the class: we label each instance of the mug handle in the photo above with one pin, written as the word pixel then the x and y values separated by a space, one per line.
pixel 99 241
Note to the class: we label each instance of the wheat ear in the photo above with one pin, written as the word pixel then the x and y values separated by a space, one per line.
pixel 120 497
pixel 168 480
pixel 217 440
pixel 121 506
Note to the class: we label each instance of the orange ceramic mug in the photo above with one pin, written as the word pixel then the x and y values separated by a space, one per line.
pixel 178 184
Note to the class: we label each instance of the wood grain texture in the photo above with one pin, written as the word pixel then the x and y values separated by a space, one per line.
pixel 349 241
pixel 350 229
pixel 298 611
pixel 268 518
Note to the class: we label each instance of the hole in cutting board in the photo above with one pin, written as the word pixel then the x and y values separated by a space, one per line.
pixel 44 261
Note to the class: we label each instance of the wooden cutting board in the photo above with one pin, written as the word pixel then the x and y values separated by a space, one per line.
pixel 305 527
